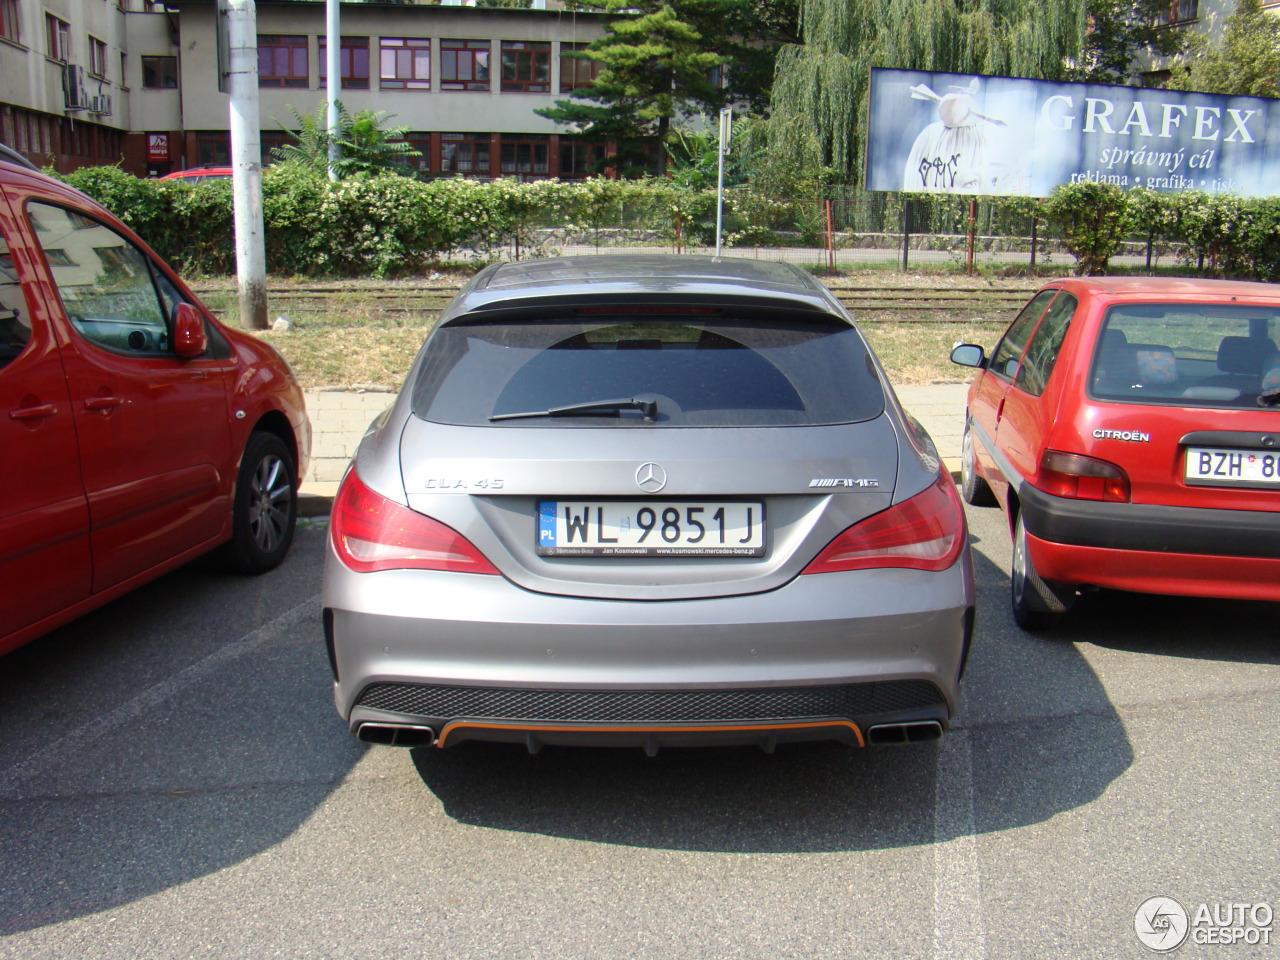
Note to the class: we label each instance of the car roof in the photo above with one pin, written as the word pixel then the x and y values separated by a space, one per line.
pixel 1146 288
pixel 652 278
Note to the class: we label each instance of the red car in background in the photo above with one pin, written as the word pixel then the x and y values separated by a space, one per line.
pixel 196 174
pixel 137 432
pixel 1130 429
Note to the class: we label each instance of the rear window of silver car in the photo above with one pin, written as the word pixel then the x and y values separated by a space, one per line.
pixel 1188 354
pixel 699 371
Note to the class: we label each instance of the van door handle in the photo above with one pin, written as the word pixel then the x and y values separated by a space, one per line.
pixel 103 403
pixel 34 413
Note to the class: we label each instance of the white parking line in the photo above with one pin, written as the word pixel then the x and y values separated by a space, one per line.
pixel 49 756
pixel 959 930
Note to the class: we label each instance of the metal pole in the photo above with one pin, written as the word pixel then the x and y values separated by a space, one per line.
pixel 333 82
pixel 726 129
pixel 246 163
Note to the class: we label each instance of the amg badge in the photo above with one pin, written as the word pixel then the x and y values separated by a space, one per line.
pixel 843 482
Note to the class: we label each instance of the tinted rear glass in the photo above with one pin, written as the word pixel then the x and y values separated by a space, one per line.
pixel 1210 355
pixel 701 371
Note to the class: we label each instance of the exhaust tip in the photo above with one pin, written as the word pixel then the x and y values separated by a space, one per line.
pixel 396 734
pixel 887 734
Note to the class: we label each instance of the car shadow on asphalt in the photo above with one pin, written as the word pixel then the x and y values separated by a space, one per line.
pixel 1036 736
pixel 172 734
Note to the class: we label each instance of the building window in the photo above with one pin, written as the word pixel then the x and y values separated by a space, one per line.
pixel 464 64
pixel 282 61
pixel 212 149
pixel 1180 11
pixel 578 160
pixel 353 62
pixel 160 73
pixel 97 58
pixel 404 63
pixel 465 153
pixel 10 25
pixel 124 72
pixel 575 72
pixel 526 66
pixel 525 153
pixel 59 38
pixel 270 141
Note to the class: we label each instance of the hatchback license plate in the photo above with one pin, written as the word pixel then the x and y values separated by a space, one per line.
pixel 637 528
pixel 1217 467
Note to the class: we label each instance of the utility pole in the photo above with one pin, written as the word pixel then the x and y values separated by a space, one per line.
pixel 726 133
pixel 246 161
pixel 333 84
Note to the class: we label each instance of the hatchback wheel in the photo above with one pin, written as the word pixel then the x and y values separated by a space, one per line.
pixel 266 505
pixel 1037 604
pixel 972 487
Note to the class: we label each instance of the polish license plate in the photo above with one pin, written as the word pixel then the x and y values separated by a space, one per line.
pixel 1228 467
pixel 658 528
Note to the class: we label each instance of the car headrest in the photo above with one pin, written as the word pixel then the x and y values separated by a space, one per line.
pixel 1244 354
pixel 1156 363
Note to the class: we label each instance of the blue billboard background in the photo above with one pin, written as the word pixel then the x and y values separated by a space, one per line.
pixel 1004 136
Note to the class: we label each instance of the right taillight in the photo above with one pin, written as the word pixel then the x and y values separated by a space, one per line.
pixel 373 533
pixel 926 532
pixel 1079 477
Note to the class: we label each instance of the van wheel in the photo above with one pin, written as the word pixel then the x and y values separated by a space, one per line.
pixel 266 505
pixel 973 488
pixel 1037 604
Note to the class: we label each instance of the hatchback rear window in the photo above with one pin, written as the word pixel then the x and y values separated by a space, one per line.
pixel 1201 355
pixel 697 371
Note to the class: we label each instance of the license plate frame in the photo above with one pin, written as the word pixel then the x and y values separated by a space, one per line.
pixel 1232 467
pixel 608 528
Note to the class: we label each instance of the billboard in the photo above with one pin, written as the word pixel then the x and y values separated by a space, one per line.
pixel 1005 136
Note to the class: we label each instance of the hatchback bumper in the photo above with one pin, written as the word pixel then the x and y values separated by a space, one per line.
pixel 828 656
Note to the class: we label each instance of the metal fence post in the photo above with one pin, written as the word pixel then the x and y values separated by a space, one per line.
pixel 906 230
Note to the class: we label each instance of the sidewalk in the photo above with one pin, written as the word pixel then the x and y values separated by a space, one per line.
pixel 339 419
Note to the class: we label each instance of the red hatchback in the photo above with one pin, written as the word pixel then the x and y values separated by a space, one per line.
pixel 1130 429
pixel 137 432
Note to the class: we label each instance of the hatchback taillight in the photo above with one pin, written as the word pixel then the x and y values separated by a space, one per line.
pixel 1081 478
pixel 373 533
pixel 926 532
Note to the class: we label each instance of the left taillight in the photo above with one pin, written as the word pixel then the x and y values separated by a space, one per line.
pixel 373 533
pixel 926 532
pixel 1079 477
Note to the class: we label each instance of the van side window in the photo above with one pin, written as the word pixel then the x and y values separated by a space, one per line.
pixel 106 283
pixel 1004 359
pixel 1046 342
pixel 15 330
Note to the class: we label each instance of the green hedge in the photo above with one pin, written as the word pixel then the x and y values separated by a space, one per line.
pixel 391 225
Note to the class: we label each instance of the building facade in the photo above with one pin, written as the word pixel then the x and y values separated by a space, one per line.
pixel 95 81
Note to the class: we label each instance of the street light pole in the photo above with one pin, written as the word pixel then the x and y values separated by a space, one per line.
pixel 246 162
pixel 726 131
pixel 333 84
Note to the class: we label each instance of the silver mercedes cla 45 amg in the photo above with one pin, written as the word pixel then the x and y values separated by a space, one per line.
pixel 649 501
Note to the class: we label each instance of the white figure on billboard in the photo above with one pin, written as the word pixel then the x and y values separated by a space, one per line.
pixel 953 155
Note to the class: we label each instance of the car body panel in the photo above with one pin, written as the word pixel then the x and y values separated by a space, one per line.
pixel 608 631
pixel 135 470
pixel 1169 537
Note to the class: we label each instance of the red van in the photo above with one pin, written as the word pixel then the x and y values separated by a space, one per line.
pixel 137 432
pixel 1130 429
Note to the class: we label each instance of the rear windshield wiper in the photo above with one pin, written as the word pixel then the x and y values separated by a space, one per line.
pixel 614 407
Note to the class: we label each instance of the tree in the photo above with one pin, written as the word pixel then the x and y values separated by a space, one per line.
pixel 657 63
pixel 1120 32
pixel 820 88
pixel 367 145
pixel 1245 63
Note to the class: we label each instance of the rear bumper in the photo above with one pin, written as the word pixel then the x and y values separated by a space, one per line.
pixel 1181 551
pixel 829 656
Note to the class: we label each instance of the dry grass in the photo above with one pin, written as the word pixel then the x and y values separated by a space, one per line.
pixel 351 336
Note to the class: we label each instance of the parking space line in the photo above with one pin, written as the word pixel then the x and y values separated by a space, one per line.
pixel 959 929
pixel 133 710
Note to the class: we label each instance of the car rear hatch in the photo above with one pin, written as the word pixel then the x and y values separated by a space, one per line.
pixel 649 453
pixel 1186 401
